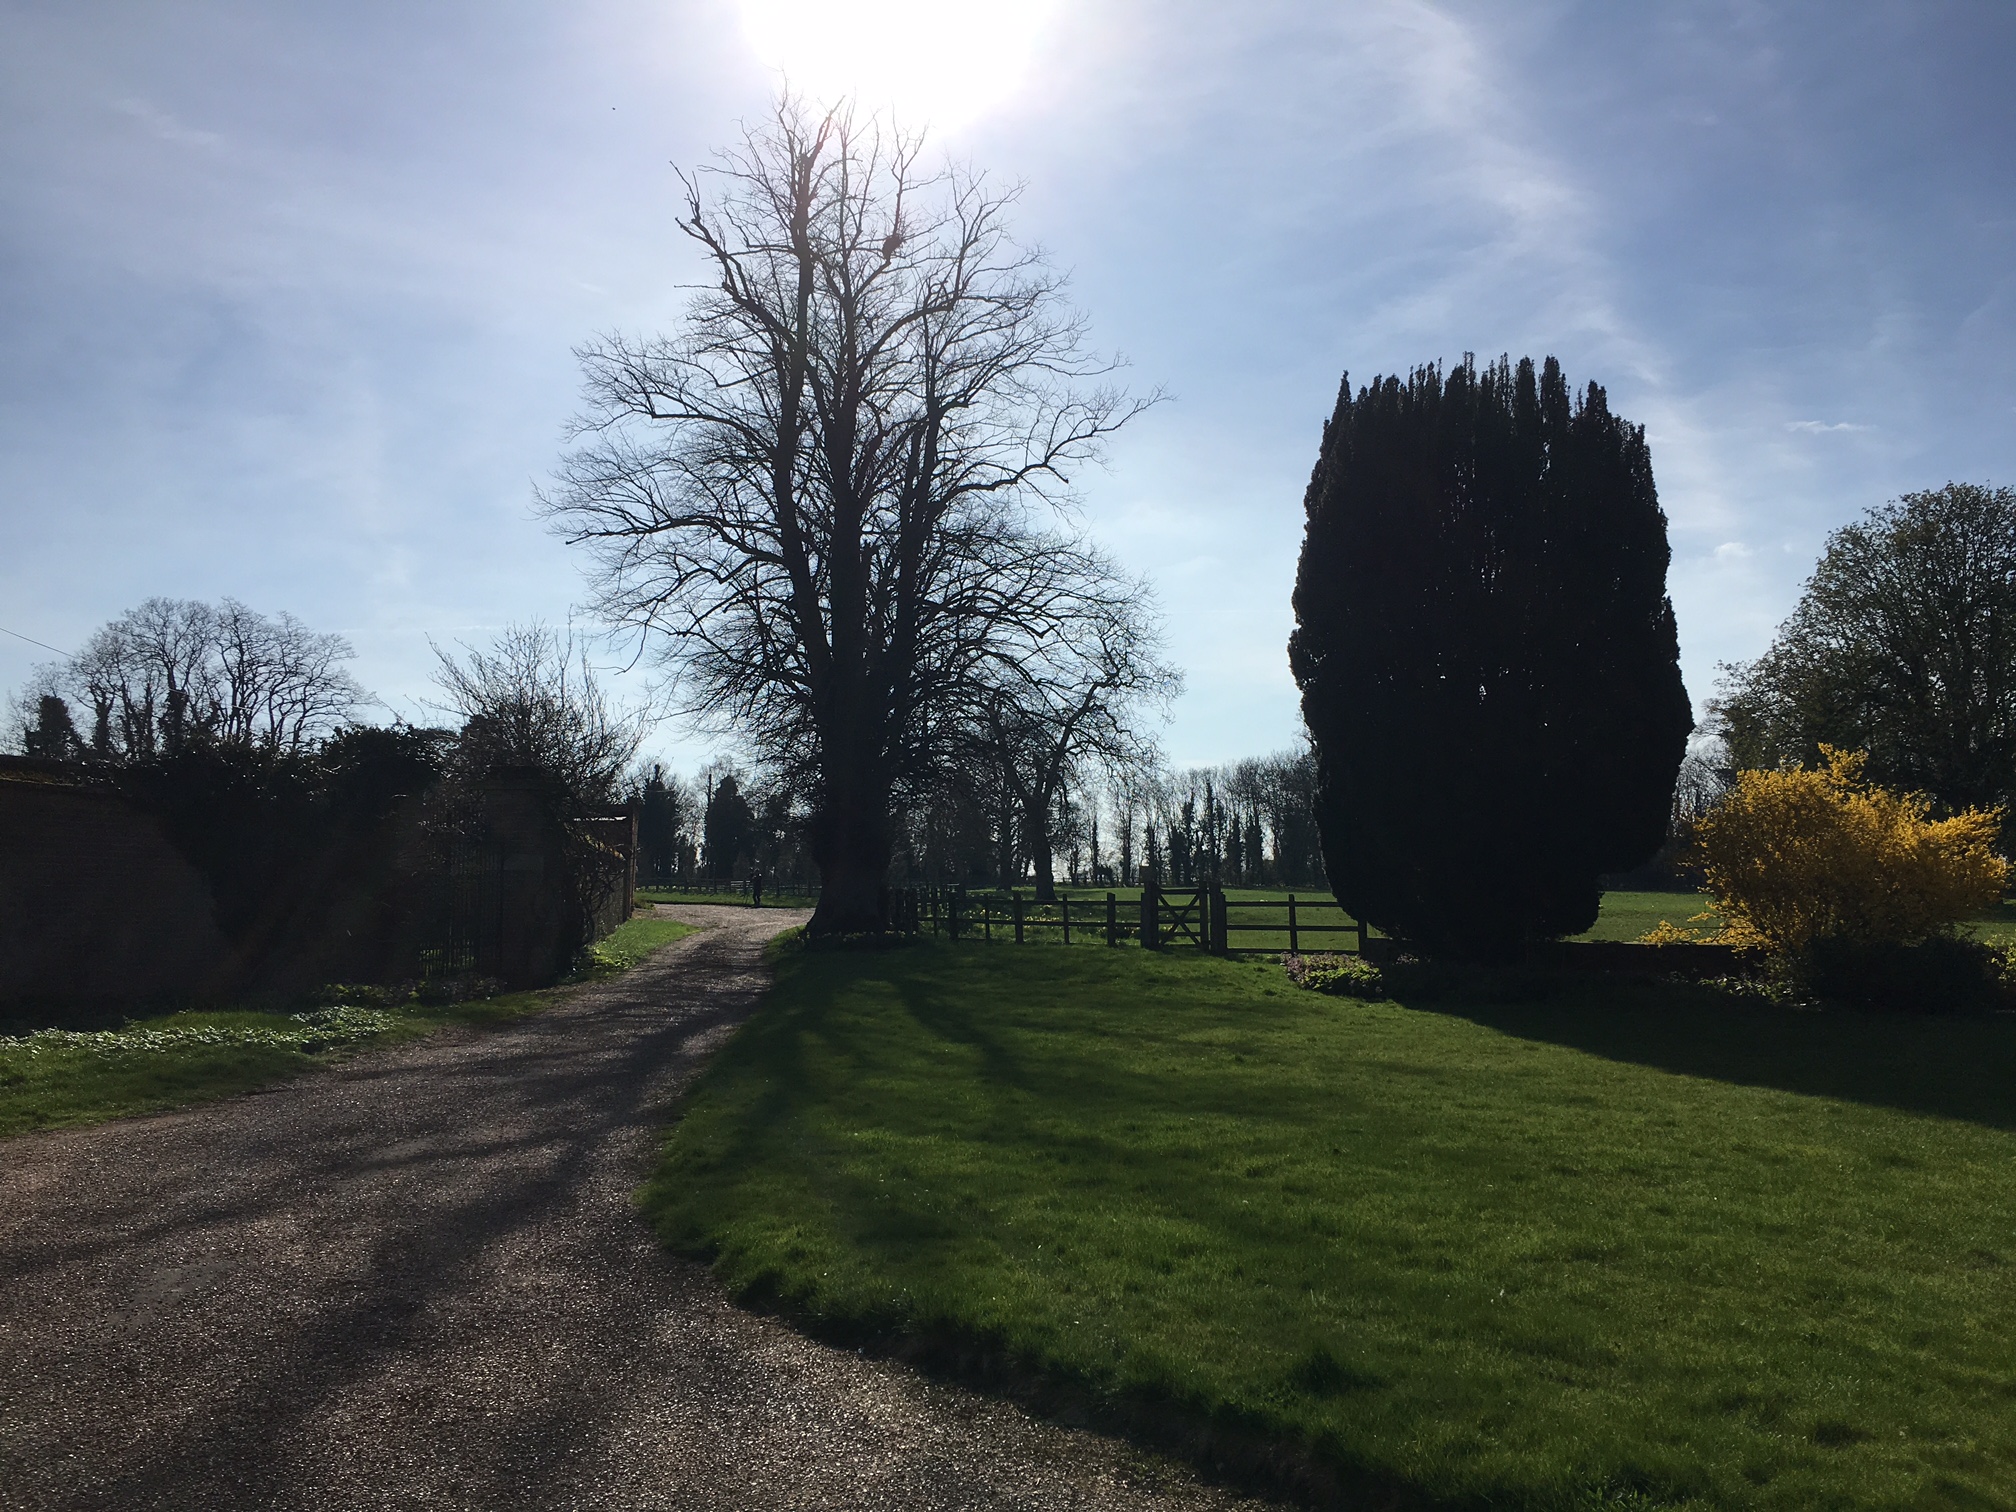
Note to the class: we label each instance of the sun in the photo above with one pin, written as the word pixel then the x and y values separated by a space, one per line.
pixel 935 63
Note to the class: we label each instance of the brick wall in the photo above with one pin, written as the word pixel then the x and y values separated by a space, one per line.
pixel 95 904
pixel 98 906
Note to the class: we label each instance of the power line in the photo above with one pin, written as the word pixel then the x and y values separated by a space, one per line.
pixel 32 641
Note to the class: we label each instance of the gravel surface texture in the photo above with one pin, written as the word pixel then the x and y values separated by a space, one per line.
pixel 417 1280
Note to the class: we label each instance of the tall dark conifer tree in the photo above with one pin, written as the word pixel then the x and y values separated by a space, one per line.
pixel 1487 655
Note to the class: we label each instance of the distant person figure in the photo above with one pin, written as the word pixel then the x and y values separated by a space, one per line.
pixel 756 889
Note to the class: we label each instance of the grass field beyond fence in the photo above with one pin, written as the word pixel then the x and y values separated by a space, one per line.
pixel 1530 1245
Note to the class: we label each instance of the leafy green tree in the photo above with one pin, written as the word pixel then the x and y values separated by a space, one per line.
pixel 1902 645
pixel 1488 661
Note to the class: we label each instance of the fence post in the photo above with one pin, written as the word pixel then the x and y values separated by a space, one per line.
pixel 934 909
pixel 1064 906
pixel 952 914
pixel 1112 919
pixel 1220 940
pixel 1294 941
pixel 1361 935
pixel 1150 925
pixel 1015 907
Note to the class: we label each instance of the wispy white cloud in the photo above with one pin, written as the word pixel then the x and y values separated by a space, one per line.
pixel 277 276
pixel 159 123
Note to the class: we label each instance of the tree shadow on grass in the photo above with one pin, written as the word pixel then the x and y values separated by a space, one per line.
pixel 1947 1066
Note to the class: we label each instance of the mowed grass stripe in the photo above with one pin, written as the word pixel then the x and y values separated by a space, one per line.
pixel 1449 1252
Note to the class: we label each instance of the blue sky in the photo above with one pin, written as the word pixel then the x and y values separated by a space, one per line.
pixel 288 293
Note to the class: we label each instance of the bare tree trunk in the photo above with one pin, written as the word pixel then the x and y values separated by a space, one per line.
pixel 852 837
pixel 852 852
pixel 1007 848
pixel 1036 831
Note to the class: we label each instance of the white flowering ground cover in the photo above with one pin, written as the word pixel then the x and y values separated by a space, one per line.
pixel 55 1077
pixel 52 1078
pixel 322 1029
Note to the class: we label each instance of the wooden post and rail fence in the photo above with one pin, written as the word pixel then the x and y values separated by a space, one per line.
pixel 1201 918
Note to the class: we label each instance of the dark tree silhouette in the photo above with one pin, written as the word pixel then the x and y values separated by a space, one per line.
pixel 1487 656
pixel 660 818
pixel 53 735
pixel 531 703
pixel 729 829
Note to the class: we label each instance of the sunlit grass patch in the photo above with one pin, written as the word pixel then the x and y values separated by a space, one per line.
pixel 629 943
pixel 1556 1244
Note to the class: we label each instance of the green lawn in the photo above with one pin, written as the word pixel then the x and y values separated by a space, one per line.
pixel 1997 926
pixel 630 942
pixel 172 1059
pixel 1525 1244
pixel 1627 915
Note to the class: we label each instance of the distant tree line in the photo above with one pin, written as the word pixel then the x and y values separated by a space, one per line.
pixel 1068 789
pixel 1245 824
pixel 721 826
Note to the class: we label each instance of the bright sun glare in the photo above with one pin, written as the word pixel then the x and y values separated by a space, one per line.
pixel 936 63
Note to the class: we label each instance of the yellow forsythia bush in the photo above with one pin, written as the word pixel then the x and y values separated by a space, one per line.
pixel 1804 854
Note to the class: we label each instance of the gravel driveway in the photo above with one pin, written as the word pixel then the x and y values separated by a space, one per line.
pixel 417 1281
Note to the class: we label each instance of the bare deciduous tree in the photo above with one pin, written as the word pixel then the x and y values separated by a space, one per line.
pixel 823 500
pixel 175 672
pixel 1078 699
pixel 278 680
pixel 532 702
